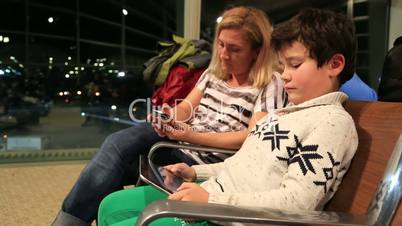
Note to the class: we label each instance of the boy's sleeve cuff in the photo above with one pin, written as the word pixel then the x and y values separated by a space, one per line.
pixel 201 172
pixel 219 198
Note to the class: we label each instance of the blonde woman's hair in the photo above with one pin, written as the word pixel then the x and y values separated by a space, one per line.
pixel 258 29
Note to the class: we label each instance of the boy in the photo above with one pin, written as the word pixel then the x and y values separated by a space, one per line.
pixel 295 157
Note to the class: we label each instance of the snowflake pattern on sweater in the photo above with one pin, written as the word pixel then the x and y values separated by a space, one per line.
pixel 303 155
pixel 300 154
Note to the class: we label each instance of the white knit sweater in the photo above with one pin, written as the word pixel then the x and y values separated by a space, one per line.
pixel 294 159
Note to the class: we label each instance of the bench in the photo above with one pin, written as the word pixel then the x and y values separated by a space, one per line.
pixel 369 194
pixel 379 125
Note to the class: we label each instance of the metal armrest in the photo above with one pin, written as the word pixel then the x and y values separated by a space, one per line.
pixel 226 213
pixel 166 144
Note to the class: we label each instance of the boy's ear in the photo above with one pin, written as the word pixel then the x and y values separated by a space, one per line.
pixel 336 64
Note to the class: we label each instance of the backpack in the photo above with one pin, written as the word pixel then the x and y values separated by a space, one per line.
pixel 390 88
pixel 193 53
pixel 180 81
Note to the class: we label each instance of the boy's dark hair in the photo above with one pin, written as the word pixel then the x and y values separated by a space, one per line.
pixel 324 33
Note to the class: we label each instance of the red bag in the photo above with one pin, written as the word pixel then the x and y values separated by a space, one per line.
pixel 180 81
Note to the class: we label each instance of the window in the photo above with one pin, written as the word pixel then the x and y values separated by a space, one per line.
pixel 72 72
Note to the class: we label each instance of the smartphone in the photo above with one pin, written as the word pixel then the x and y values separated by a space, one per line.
pixel 159 177
pixel 160 114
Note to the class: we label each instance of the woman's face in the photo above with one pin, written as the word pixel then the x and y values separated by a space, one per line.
pixel 235 52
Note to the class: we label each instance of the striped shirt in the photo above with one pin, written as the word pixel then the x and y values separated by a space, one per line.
pixel 273 96
pixel 223 108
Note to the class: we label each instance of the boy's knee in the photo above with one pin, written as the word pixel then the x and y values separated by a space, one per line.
pixel 107 204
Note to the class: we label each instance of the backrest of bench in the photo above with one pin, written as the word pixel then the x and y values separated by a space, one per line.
pixel 379 125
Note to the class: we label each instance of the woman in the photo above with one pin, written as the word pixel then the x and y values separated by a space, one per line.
pixel 225 96
pixel 238 82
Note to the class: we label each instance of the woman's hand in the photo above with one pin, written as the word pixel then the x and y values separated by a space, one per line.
pixel 190 192
pixel 178 131
pixel 161 125
pixel 182 170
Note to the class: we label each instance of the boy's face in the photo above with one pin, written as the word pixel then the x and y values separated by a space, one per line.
pixel 303 79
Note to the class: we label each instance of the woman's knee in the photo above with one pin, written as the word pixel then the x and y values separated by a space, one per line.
pixel 117 142
pixel 134 136
pixel 115 137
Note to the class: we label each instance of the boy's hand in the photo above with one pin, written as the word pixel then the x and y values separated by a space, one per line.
pixel 190 192
pixel 182 170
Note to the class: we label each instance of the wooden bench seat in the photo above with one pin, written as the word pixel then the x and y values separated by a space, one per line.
pixel 379 125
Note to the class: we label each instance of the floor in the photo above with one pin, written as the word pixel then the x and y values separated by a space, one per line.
pixel 33 184
pixel 31 194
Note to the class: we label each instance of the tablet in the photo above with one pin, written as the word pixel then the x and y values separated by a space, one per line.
pixel 158 176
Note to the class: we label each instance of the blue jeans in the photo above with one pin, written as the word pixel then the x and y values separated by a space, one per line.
pixel 114 165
